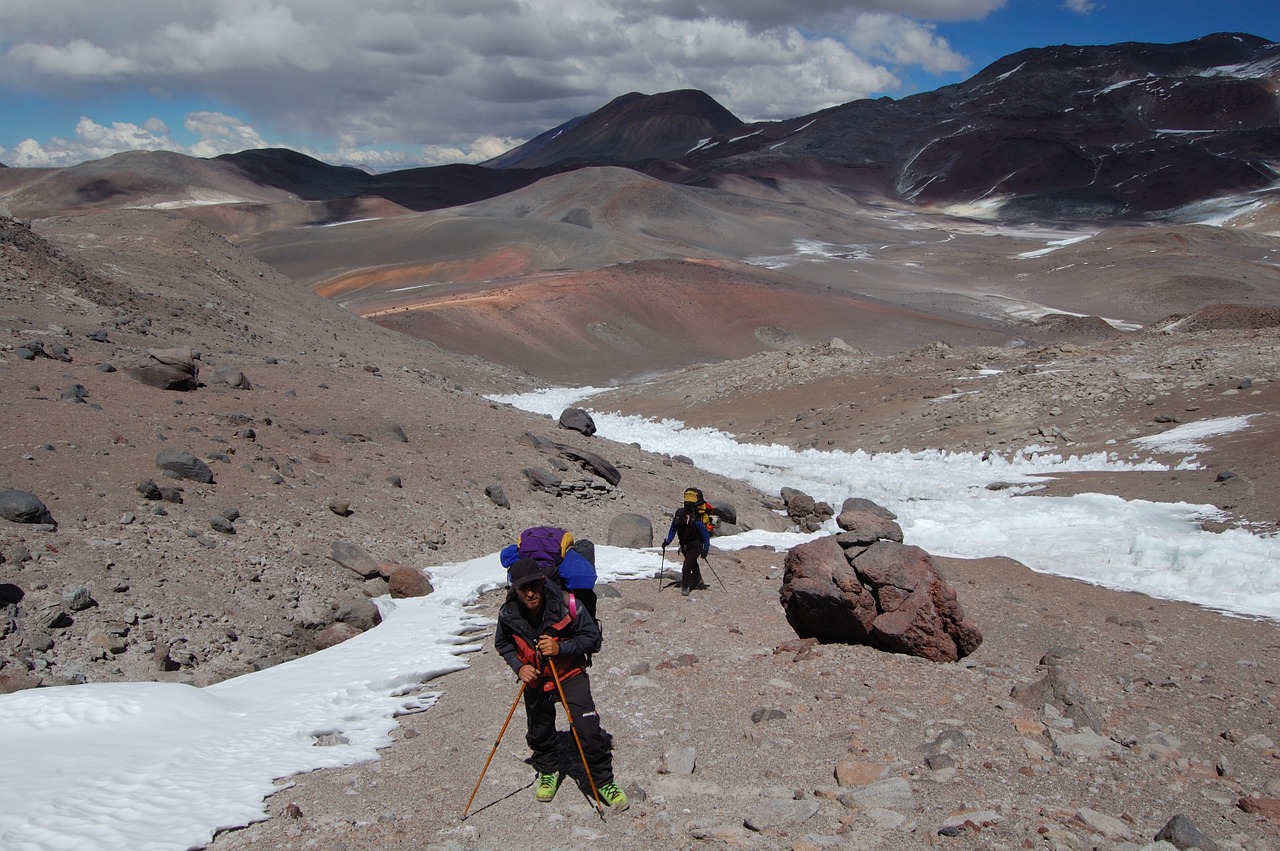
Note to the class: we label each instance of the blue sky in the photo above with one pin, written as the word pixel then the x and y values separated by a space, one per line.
pixel 397 83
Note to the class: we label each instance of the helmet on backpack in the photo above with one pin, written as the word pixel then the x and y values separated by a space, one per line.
pixel 697 508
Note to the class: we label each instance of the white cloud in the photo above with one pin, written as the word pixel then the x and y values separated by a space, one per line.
pixel 221 134
pixel 440 75
pixel 216 134
pixel 1081 7
pixel 904 42
pixel 76 59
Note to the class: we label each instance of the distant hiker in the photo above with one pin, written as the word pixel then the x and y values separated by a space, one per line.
pixel 569 563
pixel 538 625
pixel 691 523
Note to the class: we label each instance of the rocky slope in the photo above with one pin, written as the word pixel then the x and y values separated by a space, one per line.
pixel 344 433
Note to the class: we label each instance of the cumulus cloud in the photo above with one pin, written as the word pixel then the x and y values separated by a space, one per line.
pixel 1081 7
pixel 444 78
pixel 92 141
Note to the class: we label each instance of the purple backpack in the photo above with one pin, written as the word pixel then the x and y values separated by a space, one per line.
pixel 544 544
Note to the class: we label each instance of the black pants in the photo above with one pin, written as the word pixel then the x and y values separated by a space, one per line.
pixel 540 709
pixel 691 573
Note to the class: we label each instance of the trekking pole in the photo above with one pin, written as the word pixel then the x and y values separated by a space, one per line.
pixel 495 749
pixel 716 575
pixel 662 571
pixel 555 675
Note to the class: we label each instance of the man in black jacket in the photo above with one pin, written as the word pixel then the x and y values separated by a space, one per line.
pixel 695 540
pixel 539 625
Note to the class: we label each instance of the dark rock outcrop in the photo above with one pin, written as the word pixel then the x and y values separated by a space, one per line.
pixel 591 462
pixel 168 369
pixel 577 419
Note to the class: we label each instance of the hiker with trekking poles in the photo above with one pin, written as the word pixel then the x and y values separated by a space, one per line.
pixel 692 524
pixel 545 636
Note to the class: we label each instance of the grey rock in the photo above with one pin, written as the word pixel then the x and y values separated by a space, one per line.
pixel 359 612
pixel 892 793
pixel 53 616
pixel 1109 826
pixel 771 815
pixel 765 714
pixel 167 369
pixel 231 377
pixel 1083 745
pixel 678 761
pixel 78 599
pixel 74 393
pixel 542 480
pixel 183 465
pixel 592 462
pixel 630 531
pixel 22 507
pixel 577 419
pixel 946 742
pixel 222 524
pixel 727 513
pixel 497 496
pixel 392 430
pixel 1183 833
pixel 354 558
pixel 1060 691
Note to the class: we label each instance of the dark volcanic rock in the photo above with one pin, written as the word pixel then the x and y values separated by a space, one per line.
pixel 23 507
pixel 577 419
pixel 168 369
pixel 184 465
pixel 591 462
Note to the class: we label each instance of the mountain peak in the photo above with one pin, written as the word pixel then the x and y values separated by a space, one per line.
pixel 631 128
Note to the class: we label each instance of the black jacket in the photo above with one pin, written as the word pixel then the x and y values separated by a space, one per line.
pixel 692 531
pixel 516 639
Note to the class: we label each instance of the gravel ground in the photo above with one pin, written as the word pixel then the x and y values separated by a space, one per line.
pixel 772 722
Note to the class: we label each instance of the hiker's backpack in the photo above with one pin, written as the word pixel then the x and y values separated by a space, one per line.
pixel 571 601
pixel 705 509
pixel 544 544
pixel 570 563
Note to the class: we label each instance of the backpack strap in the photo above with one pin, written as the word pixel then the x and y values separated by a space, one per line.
pixel 573 604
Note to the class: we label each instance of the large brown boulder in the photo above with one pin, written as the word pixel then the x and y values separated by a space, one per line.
pixel 405 581
pixel 887 595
